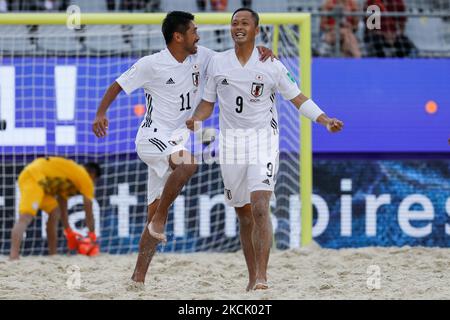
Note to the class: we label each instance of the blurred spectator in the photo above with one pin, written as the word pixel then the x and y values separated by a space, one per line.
pixel 390 40
pixel 347 27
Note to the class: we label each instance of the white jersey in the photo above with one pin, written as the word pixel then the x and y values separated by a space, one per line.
pixel 247 93
pixel 172 89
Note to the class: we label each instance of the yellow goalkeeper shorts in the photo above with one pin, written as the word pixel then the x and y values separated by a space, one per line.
pixel 33 197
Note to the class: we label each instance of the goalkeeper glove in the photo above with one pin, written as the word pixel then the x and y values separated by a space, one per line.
pixel 92 236
pixel 72 238
pixel 88 246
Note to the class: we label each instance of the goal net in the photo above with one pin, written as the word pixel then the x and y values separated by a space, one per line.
pixel 52 79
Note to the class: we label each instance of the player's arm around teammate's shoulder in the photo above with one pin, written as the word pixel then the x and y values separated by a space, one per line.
pixel 311 110
pixel 265 53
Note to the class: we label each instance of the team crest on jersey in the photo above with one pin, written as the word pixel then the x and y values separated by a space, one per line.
pixel 257 89
pixel 195 77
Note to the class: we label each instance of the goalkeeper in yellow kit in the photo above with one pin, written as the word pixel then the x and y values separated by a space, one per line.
pixel 46 184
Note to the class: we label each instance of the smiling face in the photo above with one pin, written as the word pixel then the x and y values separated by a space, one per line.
pixel 190 38
pixel 243 27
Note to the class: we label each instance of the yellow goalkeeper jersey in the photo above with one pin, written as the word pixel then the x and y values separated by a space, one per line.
pixel 61 177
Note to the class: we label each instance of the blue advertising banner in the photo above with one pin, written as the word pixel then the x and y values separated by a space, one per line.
pixel 387 105
pixel 356 203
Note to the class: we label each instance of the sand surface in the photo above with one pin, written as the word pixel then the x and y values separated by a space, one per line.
pixel 306 273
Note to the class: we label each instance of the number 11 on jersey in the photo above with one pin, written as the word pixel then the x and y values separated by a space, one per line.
pixel 188 107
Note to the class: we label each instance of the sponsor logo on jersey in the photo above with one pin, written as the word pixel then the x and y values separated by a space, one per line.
pixel 170 81
pixel 225 82
pixel 257 89
pixel 228 194
pixel 266 182
pixel 195 77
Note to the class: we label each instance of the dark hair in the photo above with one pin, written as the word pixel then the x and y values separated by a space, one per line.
pixel 255 15
pixel 176 21
pixel 93 167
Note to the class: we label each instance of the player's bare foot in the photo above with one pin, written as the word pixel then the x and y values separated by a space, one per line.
pixel 261 285
pixel 157 235
pixel 137 278
pixel 135 286
pixel 250 286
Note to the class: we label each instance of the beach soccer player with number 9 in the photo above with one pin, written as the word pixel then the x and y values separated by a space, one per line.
pixel 245 88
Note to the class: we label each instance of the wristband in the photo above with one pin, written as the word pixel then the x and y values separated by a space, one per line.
pixel 310 110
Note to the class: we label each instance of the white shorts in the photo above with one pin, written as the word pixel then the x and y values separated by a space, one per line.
pixel 242 179
pixel 155 152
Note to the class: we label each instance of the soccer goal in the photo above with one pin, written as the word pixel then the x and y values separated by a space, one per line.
pixel 54 69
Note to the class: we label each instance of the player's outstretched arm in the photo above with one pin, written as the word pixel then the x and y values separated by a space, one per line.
pixel 100 125
pixel 309 109
pixel 202 112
